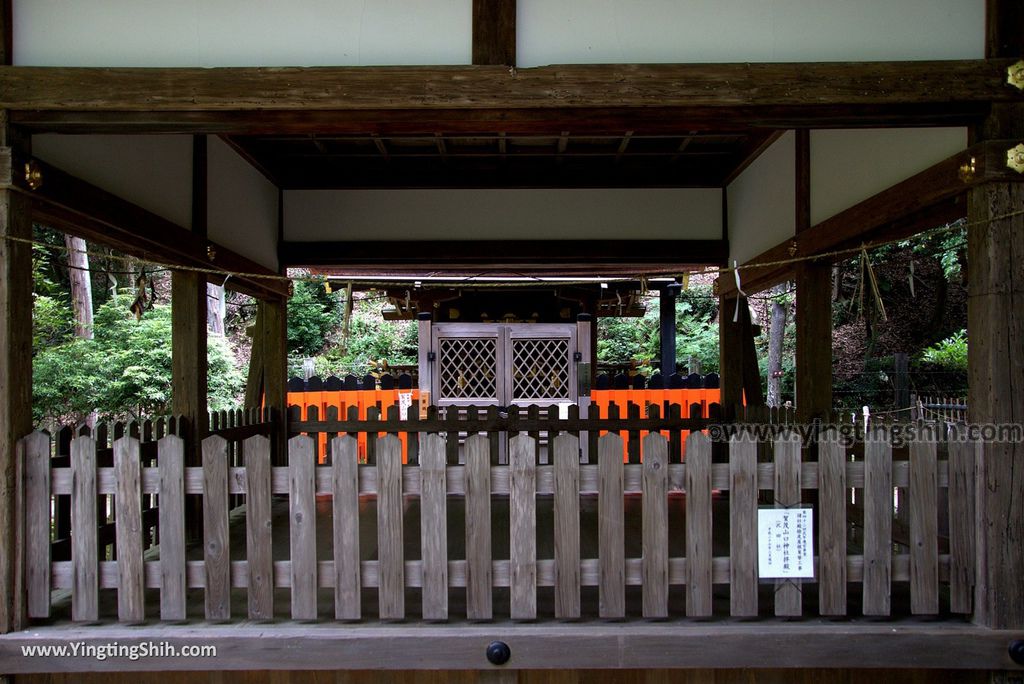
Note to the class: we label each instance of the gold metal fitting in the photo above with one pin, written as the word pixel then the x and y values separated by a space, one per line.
pixel 211 252
pixel 1015 75
pixel 1015 158
pixel 792 248
pixel 33 175
pixel 291 288
pixel 968 169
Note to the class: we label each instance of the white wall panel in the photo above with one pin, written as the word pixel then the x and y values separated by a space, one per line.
pixel 241 205
pixel 241 32
pixel 848 166
pixel 153 171
pixel 610 31
pixel 644 214
pixel 762 201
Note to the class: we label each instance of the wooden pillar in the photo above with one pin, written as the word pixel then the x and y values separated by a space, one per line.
pixel 813 306
pixel 813 340
pixel 188 354
pixel 15 364
pixel 424 346
pixel 667 322
pixel 730 354
pixel 995 333
pixel 494 32
pixel 275 367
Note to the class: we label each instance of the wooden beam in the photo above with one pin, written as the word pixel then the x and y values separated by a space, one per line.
pixel 730 354
pixel 274 313
pixel 678 645
pixel 1004 29
pixel 72 205
pixel 505 254
pixel 494 32
pixel 925 200
pixel 813 340
pixel 757 142
pixel 768 95
pixel 6 32
pixel 15 373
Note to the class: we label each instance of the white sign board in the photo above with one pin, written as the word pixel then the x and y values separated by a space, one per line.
pixel 404 404
pixel 785 543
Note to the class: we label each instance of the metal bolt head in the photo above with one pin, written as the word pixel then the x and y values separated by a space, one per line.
pixel 498 652
pixel 1015 74
pixel 968 169
pixel 1016 651
pixel 33 175
pixel 1015 158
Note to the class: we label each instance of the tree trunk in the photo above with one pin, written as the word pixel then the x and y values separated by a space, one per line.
pixel 775 335
pixel 215 308
pixel 81 286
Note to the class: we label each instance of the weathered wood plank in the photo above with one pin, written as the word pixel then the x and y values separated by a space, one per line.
pixel 84 551
pixel 567 526
pixel 962 459
pixel 743 526
pixel 788 594
pixel 171 464
pixel 523 526
pixel 655 526
pixel 832 525
pixel 302 526
pixel 345 489
pixel 878 514
pixel 478 527
pixel 35 457
pixel 258 531
pixel 924 528
pixel 128 513
pixel 434 526
pixel 698 525
pixel 216 547
pixel 611 538
pixel 389 528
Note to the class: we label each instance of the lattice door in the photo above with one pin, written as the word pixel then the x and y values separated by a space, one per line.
pixel 503 364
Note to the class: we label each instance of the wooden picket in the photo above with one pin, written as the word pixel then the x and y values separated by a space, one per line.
pixel 253 575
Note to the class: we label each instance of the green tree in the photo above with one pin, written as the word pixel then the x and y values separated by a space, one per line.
pixel 313 315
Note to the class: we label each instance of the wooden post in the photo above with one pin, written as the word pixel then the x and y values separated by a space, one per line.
pixel 730 352
pixel 275 368
pixel 494 32
pixel 667 320
pixel 423 322
pixel 15 365
pixel 995 329
pixel 813 306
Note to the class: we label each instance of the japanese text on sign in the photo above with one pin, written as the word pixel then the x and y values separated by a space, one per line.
pixel 785 544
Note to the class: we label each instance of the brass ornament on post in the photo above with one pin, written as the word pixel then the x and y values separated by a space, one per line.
pixel 967 170
pixel 211 252
pixel 1015 74
pixel 792 249
pixel 1015 158
pixel 33 174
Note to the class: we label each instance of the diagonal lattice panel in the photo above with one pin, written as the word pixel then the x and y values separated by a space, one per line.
pixel 540 368
pixel 468 368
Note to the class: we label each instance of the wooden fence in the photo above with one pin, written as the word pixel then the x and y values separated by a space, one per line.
pixel 437 473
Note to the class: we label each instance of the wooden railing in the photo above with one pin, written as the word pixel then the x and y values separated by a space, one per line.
pixel 443 467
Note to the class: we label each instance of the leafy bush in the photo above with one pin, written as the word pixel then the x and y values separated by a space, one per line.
pixel 124 371
pixel 313 314
pixel 950 353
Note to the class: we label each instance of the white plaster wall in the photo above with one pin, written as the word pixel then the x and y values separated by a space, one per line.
pixel 848 166
pixel 611 31
pixel 152 171
pixel 762 201
pixel 241 205
pixel 642 214
pixel 208 33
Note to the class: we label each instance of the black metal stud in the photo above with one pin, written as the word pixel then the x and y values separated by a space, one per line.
pixel 498 652
pixel 1016 651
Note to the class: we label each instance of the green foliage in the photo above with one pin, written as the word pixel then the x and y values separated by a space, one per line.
pixel 124 371
pixel 371 338
pixel 622 340
pixel 949 354
pixel 312 315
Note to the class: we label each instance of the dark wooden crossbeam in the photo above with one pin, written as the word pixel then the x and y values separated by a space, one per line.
pixel 494 32
pixel 926 200
pixel 68 203
pixel 474 98
pixel 587 255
